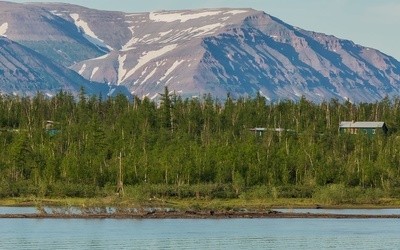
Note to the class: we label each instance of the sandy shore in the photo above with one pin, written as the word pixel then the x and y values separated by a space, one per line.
pixel 194 215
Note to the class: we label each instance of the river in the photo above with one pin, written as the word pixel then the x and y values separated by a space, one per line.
pixel 201 233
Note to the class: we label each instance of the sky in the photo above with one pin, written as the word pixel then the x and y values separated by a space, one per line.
pixel 370 23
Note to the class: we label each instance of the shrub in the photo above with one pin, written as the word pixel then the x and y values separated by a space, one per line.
pixel 337 194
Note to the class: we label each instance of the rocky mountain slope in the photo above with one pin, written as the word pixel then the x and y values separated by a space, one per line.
pixel 25 72
pixel 193 52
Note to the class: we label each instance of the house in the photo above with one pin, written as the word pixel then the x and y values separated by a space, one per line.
pixel 52 128
pixel 260 131
pixel 369 128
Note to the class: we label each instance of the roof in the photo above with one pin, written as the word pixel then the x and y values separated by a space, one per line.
pixel 361 124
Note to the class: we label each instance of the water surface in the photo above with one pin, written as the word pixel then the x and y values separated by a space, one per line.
pixel 385 211
pixel 200 234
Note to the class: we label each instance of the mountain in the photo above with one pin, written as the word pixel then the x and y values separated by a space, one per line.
pixel 195 52
pixel 25 72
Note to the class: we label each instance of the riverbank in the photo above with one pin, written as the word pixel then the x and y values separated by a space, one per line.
pixel 123 208
pixel 196 215
pixel 191 204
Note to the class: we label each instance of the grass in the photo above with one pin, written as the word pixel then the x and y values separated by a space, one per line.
pixel 215 197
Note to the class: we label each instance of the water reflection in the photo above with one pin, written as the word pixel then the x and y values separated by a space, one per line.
pixel 18 210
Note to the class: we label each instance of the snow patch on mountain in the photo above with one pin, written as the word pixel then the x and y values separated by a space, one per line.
pixel 141 75
pixel 55 12
pixel 82 69
pixel 147 57
pixel 231 64
pixel 89 34
pixel 206 30
pixel 186 34
pixel 121 70
pixel 165 33
pixel 83 25
pixel 154 96
pixel 100 57
pixel 167 82
pixel 132 41
pixel 235 12
pixel 182 17
pixel 170 70
pixel 149 75
pixel 94 72
pixel 3 29
pixel 168 17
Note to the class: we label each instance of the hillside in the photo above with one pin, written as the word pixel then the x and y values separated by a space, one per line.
pixel 25 72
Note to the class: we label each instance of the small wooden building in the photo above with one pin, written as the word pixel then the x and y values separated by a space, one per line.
pixel 260 131
pixel 52 128
pixel 369 128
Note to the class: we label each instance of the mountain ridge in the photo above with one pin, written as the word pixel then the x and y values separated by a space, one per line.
pixel 219 51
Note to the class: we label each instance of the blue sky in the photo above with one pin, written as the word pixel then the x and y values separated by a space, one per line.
pixel 371 23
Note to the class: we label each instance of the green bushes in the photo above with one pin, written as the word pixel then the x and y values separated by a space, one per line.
pixel 337 194
pixel 160 191
pixel 285 192
pixel 25 189
pixel 72 190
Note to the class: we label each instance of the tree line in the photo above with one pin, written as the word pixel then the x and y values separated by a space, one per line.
pixel 193 147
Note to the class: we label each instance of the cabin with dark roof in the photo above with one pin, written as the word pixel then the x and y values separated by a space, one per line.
pixel 369 128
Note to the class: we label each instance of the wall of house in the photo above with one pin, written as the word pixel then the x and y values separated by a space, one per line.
pixel 368 131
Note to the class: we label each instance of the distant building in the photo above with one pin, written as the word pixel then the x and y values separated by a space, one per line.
pixel 260 131
pixel 51 128
pixel 369 128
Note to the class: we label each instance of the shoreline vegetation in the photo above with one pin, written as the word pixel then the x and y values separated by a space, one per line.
pixel 198 215
pixel 203 203
pixel 122 208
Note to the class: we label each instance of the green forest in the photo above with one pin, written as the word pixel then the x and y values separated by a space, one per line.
pixel 66 146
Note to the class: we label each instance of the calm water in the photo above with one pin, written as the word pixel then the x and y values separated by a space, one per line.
pixel 386 211
pixel 200 234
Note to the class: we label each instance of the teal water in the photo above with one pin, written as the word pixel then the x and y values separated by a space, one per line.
pixel 200 234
